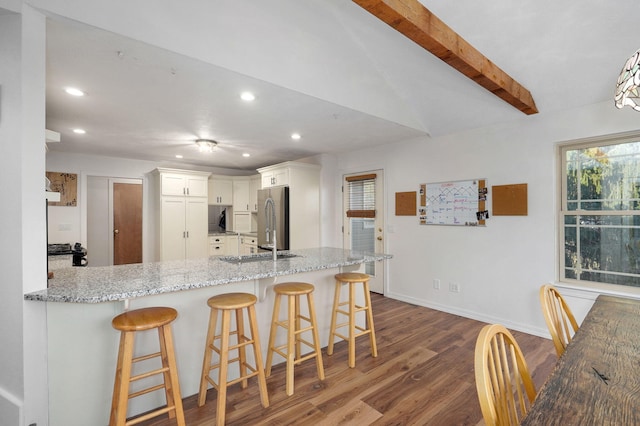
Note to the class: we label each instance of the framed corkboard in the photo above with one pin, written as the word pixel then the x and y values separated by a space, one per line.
pixel 510 200
pixel 67 185
pixel 406 203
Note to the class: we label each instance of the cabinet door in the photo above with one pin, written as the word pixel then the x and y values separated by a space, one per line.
pixel 172 228
pixel 267 180
pixel 254 185
pixel 196 214
pixel 232 247
pixel 220 191
pixel 240 195
pixel 172 184
pixel 196 186
pixel 281 176
pixel 242 221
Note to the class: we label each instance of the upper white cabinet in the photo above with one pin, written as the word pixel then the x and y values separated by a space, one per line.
pixel 303 180
pixel 220 190
pixel 255 183
pixel 183 182
pixel 241 194
pixel 274 176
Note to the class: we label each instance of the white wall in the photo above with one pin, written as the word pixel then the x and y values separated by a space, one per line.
pixel 499 267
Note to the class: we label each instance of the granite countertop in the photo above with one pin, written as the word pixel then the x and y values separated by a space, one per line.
pixel 111 283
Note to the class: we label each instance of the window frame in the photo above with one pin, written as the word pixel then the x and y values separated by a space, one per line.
pixel 562 211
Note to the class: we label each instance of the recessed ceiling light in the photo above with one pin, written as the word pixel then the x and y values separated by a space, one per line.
pixel 74 92
pixel 247 96
pixel 246 154
pixel 79 131
pixel 295 136
pixel 178 156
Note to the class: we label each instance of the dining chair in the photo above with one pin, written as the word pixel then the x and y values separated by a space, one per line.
pixel 503 381
pixel 559 318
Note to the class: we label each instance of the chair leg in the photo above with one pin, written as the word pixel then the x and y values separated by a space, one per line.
pixel 372 330
pixel 168 385
pixel 206 363
pixel 242 352
pixel 316 339
pixel 262 382
pixel 272 334
pixel 298 325
pixel 334 314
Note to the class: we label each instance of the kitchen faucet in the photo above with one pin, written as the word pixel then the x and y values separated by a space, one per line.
pixel 270 222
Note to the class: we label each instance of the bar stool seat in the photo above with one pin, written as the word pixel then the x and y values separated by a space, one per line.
pixel 352 279
pixel 129 323
pixel 225 304
pixel 291 351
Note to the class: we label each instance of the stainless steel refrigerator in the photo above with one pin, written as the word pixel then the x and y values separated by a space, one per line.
pixel 280 197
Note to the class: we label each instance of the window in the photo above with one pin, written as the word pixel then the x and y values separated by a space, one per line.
pixel 361 213
pixel 600 212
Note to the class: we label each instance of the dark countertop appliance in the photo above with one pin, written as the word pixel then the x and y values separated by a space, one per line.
pixel 79 255
pixel 280 197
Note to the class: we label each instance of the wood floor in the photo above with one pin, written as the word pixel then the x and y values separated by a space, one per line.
pixel 423 375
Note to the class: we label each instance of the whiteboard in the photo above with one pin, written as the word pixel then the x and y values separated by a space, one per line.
pixel 453 203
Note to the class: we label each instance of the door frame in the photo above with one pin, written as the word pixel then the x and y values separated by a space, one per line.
pixel 377 283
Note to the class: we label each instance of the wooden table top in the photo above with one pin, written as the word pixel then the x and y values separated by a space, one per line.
pixel 597 379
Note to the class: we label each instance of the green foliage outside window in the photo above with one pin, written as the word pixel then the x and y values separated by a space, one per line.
pixel 602 213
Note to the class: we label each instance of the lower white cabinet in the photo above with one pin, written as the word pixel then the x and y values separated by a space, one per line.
pixel 248 245
pixel 217 245
pixel 183 227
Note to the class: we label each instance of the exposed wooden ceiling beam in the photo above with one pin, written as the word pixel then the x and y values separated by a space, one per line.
pixel 416 22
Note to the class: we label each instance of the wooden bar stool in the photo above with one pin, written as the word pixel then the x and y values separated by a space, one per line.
pixel 352 278
pixel 129 323
pixel 225 304
pixel 291 351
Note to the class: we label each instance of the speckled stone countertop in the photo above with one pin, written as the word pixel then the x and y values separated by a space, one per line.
pixel 112 283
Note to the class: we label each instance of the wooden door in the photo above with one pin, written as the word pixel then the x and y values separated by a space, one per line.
pixel 127 223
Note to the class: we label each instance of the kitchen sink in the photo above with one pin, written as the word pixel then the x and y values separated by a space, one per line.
pixel 256 257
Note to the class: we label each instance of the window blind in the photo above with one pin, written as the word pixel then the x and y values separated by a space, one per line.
pixel 362 195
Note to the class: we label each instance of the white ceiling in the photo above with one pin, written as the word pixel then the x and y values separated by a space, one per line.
pixel 144 102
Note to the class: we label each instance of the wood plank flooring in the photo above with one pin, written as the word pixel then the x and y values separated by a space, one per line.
pixel 423 375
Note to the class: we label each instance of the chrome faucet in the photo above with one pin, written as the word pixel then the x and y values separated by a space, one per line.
pixel 270 222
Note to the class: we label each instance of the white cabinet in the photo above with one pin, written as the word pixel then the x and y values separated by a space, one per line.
pixel 274 177
pixel 182 217
pixel 248 245
pixel 182 182
pixel 241 194
pixel 241 221
pixel 220 190
pixel 254 184
pixel 217 245
pixel 232 246
pixel 303 180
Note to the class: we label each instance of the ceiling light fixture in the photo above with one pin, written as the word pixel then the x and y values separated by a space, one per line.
pixel 178 156
pixel 246 154
pixel 74 92
pixel 79 131
pixel 206 145
pixel 628 83
pixel 295 136
pixel 247 96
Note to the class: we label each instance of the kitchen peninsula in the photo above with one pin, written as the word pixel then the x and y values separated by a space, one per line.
pixel 82 345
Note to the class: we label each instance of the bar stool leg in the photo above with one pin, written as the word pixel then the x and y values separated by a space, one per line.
pixel 272 333
pixel 316 339
pixel 334 314
pixel 372 332
pixel 242 353
pixel 172 384
pixel 168 390
pixel 123 374
pixel 352 326
pixel 224 363
pixel 262 382
pixel 292 346
pixel 206 363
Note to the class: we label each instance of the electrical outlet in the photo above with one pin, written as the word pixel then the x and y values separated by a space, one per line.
pixel 436 284
pixel 454 287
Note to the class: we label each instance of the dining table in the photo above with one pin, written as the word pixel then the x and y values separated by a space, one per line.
pixel 596 381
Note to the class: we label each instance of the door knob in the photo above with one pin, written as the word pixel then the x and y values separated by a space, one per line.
pixel 379 238
pixel 116 232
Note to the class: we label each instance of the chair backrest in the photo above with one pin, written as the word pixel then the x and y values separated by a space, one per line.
pixel 560 321
pixel 503 381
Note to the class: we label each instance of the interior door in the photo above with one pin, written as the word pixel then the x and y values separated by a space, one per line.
pixel 127 223
pixel 363 220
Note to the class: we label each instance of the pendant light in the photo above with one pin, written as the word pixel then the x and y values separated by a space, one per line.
pixel 628 83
